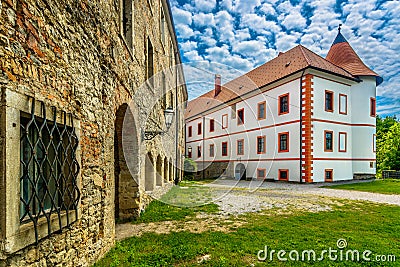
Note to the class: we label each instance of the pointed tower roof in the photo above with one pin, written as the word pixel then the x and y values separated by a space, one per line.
pixel 342 54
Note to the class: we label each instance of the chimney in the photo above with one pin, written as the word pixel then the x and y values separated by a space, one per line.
pixel 217 88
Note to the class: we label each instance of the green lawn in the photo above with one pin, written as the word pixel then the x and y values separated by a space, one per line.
pixel 375 227
pixel 387 186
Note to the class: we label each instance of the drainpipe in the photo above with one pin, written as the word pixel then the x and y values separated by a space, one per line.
pixel 301 126
pixel 176 126
pixel 204 145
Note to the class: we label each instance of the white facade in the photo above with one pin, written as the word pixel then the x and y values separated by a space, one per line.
pixel 351 122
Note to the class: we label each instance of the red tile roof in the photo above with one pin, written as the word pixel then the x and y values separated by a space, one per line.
pixel 342 54
pixel 290 62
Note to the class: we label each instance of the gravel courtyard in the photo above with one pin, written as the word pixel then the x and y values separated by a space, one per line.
pixel 236 198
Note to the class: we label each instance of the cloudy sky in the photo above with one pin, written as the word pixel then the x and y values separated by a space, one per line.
pixel 244 34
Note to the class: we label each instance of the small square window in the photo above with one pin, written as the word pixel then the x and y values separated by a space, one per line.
pixel 224 121
pixel 240 147
pixel 373 107
pixel 261 112
pixel 190 132
pixel 343 104
pixel 224 149
pixel 260 144
pixel 283 175
pixel 212 125
pixel 328 175
pixel 283 104
pixel 212 150
pixel 261 174
pixel 240 116
pixel 283 142
pixel 328 143
pixel 342 142
pixel 329 101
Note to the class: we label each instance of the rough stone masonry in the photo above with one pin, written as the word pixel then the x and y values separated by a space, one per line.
pixel 89 58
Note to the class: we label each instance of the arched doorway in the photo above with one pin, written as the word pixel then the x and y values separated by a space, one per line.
pixel 150 173
pixel 160 170
pixel 125 169
pixel 166 171
pixel 240 172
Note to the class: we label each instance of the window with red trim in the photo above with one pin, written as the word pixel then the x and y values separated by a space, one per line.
pixel 199 151
pixel 328 175
pixel 240 116
pixel 328 101
pixel 328 141
pixel 283 139
pixel 190 131
pixel 224 149
pixel 373 107
pixel 261 112
pixel 199 128
pixel 283 175
pixel 342 142
pixel 374 143
pixel 343 104
pixel 283 104
pixel 212 150
pixel 190 152
pixel 240 147
pixel 212 125
pixel 224 121
pixel 261 174
pixel 260 144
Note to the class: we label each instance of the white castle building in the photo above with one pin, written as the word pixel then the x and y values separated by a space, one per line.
pixel 298 117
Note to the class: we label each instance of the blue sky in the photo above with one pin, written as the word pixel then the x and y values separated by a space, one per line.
pixel 244 34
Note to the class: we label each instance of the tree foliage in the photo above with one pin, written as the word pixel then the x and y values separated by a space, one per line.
pixel 387 144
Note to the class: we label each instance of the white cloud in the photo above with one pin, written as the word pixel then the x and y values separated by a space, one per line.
pixel 294 21
pixel 188 46
pixel 260 24
pixel 182 16
pixel 268 9
pixel 203 19
pixel 285 42
pixel 246 6
pixel 205 5
pixel 184 31
pixel 193 56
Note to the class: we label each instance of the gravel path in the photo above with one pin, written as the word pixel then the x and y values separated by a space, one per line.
pixel 235 198
pixel 290 190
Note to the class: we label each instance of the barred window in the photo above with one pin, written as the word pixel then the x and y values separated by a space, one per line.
pixel 49 169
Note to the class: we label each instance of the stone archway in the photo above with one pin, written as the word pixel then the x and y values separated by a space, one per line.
pixel 160 170
pixel 166 170
pixel 171 170
pixel 150 179
pixel 126 170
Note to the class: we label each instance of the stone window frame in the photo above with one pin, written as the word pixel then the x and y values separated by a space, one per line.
pixel 15 236
pixel 131 49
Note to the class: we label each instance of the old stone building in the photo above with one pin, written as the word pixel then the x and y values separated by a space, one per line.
pixel 87 93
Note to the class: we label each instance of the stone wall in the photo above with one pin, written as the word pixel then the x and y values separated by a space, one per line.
pixel 72 55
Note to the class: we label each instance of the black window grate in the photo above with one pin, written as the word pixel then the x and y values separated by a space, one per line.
pixel 49 169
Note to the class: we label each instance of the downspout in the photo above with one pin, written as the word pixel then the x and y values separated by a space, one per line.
pixel 176 126
pixel 204 155
pixel 301 126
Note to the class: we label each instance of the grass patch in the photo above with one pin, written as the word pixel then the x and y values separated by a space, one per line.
pixel 363 225
pixel 387 186
pixel 158 211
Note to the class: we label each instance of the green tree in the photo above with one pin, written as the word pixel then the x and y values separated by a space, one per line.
pixel 388 144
